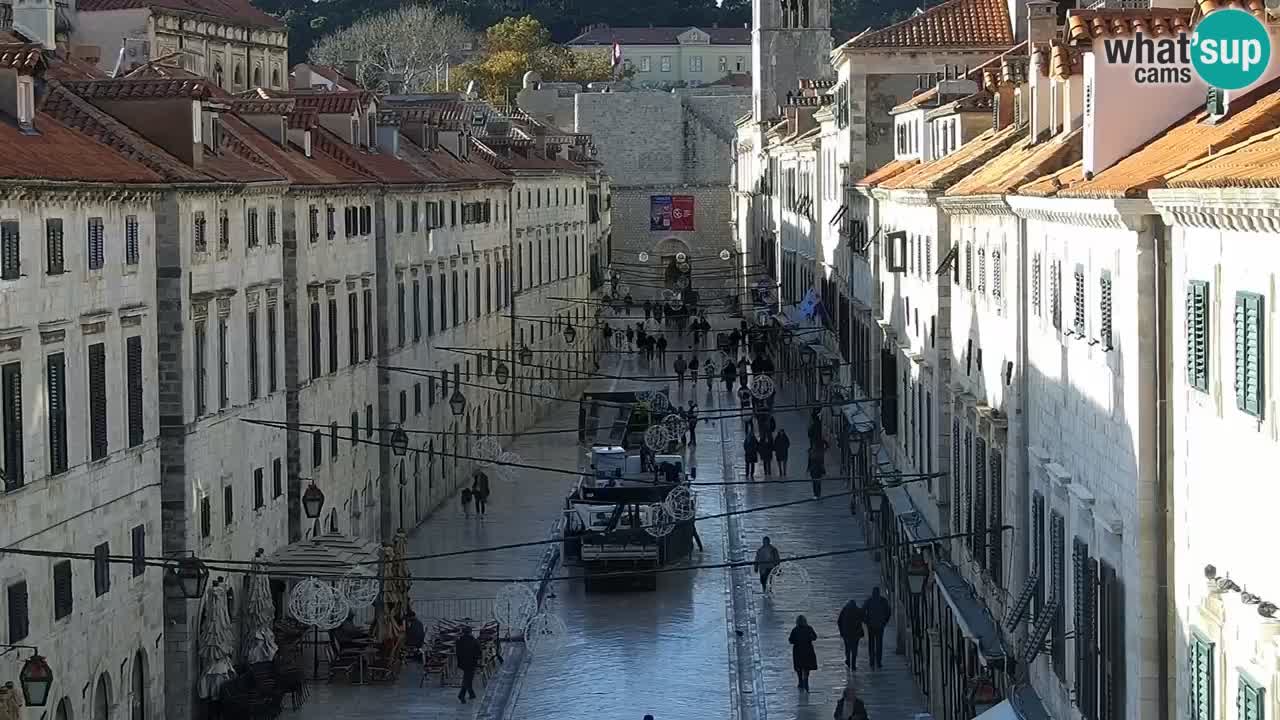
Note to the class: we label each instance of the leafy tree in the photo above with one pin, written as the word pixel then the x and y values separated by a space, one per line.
pixel 385 48
pixel 517 45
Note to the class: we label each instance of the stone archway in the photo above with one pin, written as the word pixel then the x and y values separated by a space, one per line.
pixel 668 247
pixel 64 711
pixel 102 704
pixel 138 678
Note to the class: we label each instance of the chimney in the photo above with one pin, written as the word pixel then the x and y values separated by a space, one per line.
pixel 272 125
pixel 389 139
pixel 1041 92
pixel 1002 105
pixel 351 68
pixel 36 20
pixel 1042 21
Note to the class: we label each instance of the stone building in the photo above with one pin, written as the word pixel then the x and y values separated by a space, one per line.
pixel 667 57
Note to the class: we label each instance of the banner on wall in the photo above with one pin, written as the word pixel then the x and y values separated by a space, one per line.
pixel 671 213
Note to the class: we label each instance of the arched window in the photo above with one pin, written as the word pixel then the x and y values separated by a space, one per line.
pixel 102 699
pixel 64 711
pixel 257 77
pixel 138 704
pixel 275 77
pixel 237 76
pixel 804 13
pixel 217 73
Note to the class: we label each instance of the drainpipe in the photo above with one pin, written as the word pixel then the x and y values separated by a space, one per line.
pixel 1161 243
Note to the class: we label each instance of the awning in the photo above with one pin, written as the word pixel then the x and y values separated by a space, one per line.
pixel 331 555
pixel 1028 704
pixel 1003 711
pixel 857 418
pixel 969 612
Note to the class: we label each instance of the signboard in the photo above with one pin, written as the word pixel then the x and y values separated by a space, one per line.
pixel 671 213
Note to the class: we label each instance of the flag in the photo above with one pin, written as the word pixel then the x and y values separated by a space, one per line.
pixel 617 55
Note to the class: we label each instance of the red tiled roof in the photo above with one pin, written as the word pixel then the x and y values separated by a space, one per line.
pixel 974 74
pixel 1064 61
pixel 380 166
pixel 65 68
pixel 432 112
pixel 303 119
pixel 443 166
pixel 1021 164
pixel 292 163
pixel 1254 7
pixel 235 11
pixel 945 172
pixel 1254 163
pixel 139 89
pixel 892 169
pixel 23 57
pixel 1084 26
pixel 1052 183
pixel 57 152
pixel 330 73
pixel 659 36
pixel 262 107
pixel 331 103
pixel 954 23
pixel 733 79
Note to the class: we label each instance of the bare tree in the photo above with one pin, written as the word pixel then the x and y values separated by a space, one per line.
pixel 412 44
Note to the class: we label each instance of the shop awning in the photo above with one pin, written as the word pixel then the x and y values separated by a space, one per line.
pixel 330 555
pixel 1028 704
pixel 970 613
pixel 1003 711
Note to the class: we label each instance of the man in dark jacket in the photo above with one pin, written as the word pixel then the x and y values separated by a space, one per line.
pixel 850 625
pixel 662 350
pixel 468 654
pixel 817 469
pixel 875 614
pixel 415 635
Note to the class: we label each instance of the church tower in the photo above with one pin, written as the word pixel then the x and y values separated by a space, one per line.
pixel 790 41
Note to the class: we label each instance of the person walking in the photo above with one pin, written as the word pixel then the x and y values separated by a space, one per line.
pixel 693 371
pixel 680 368
pixel 767 558
pixel 480 492
pixel 691 417
pixel 735 337
pixel 742 373
pixel 817 469
pixel 467 651
pixel 816 438
pixel 466 501
pixel 803 657
pixel 750 453
pixel 781 447
pixel 765 446
pixel 709 372
pixel 850 626
pixel 662 351
pixel 728 375
pixel 875 614
pixel 648 309
pixel 850 706
pixel 631 336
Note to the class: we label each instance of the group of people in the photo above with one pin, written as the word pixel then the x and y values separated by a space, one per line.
pixel 477 493
pixel 764 449
pixel 854 622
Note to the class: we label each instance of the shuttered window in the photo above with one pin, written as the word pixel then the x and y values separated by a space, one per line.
pixel 417 398
pixel 95 237
pixel 56 387
pixel 271 348
pixel 1078 307
pixel 1058 588
pixel 201 351
pixel 313 223
pixel 995 556
pixel 224 396
pixel 453 298
pixel 333 440
pixel 332 307
pixel 368 324
pixel 982 271
pixel 11 389
pixel 317 449
pixel 967 458
pixel 206 516
pixel 1200 657
pixel 101 569
pixel 368 421
pixel 1035 284
pixel 131 240
pixel 259 492
pixel 968 266
pixel 417 310
pixel 1055 293
pixel 19 612
pixel 1249 349
pixel 199 233
pixel 224 231
pixel 277 478
pixel 251 330
pixel 251 227
pixel 1197 329
pixel 62 596
pixel 1037 552
pixel 315 340
pixel 955 477
pixel 400 312
pixel 980 502
pixel 1081 618
pixel 272 233
pixel 1104 311
pixel 228 505
pixel 53 247
pixel 353 328
pixel 97 401
pixel 133 388
pixel 431 318
pixel 139 540
pixel 10 250
pixel 1250 700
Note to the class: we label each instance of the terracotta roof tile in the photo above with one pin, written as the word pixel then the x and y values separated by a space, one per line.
pixel 944 172
pixel 292 163
pixel 331 103
pixel 443 112
pixel 1020 164
pixel 242 106
pixel 1255 7
pixel 1052 183
pixel 1064 61
pixel 60 153
pixel 1252 164
pixel 23 57
pixel 440 165
pixel 975 74
pixel 303 119
pixel 954 23
pixel 139 89
pixel 891 169
pixel 237 11
pixel 1187 141
pixel 378 165
pixel 1084 26
pixel 659 36
pixel 330 73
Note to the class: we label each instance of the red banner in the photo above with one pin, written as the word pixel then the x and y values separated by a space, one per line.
pixel 682 212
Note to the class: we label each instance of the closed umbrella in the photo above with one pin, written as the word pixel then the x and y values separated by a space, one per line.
pixel 395 596
pixel 216 644
pixel 260 616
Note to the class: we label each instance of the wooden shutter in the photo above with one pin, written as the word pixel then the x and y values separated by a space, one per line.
pixel 101 569
pixel 956 490
pixel 206 516
pixel 1249 348
pixel 1080 592
pixel 19 612
pixel 277 478
pixel 1112 651
pixel 1055 293
pixel 53 235
pixel 1035 284
pixel 10 250
pixel 1057 550
pixel 133 381
pixel 315 340
pixel 1197 328
pixel 131 239
pixel 56 373
pixel 139 538
pixel 1250 700
pixel 980 501
pixel 995 561
pixel 62 596
pixel 11 388
pixel 888 392
pixel 1200 653
pixel 97 401
pixel 1104 310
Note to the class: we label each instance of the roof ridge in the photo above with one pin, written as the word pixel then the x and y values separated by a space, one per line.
pixel 972 23
pixel 1255 139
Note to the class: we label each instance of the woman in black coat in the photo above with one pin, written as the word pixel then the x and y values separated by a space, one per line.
pixel 750 451
pixel 728 375
pixel 782 446
pixel 765 447
pixel 803 657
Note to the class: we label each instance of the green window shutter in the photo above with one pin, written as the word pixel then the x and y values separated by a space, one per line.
pixel 1250 703
pixel 1198 335
pixel 1200 655
pixel 1249 360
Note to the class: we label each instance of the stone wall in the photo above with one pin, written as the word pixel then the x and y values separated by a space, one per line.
pixel 711 210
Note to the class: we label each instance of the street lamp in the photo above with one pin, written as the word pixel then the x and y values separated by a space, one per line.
pixel 457 403
pixel 526 355
pixel 399 441
pixel 312 501
pixel 190 576
pixel 502 374
pixel 36 678
pixel 917 573
pixel 570 334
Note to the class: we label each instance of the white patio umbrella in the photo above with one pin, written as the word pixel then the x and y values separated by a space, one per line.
pixel 260 616
pixel 216 644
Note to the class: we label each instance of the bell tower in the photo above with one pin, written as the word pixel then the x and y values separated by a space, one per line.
pixel 790 41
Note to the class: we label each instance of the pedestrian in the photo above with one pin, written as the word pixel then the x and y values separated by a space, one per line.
pixel 767 558
pixel 662 351
pixel 628 302
pixel 480 492
pixel 817 469
pixel 781 447
pixel 467 652
pixel 466 501
pixel 750 453
pixel 742 373
pixel 709 372
pixel 415 635
pixel 803 657
pixel 815 430
pixel 649 344
pixel 680 368
pixel 734 338
pixel 693 370
pixel 631 334
pixel 766 452
pixel 850 706
pixel 875 614
pixel 850 626
pixel 608 333
pixel 648 309
pixel 728 375
pixel 691 416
